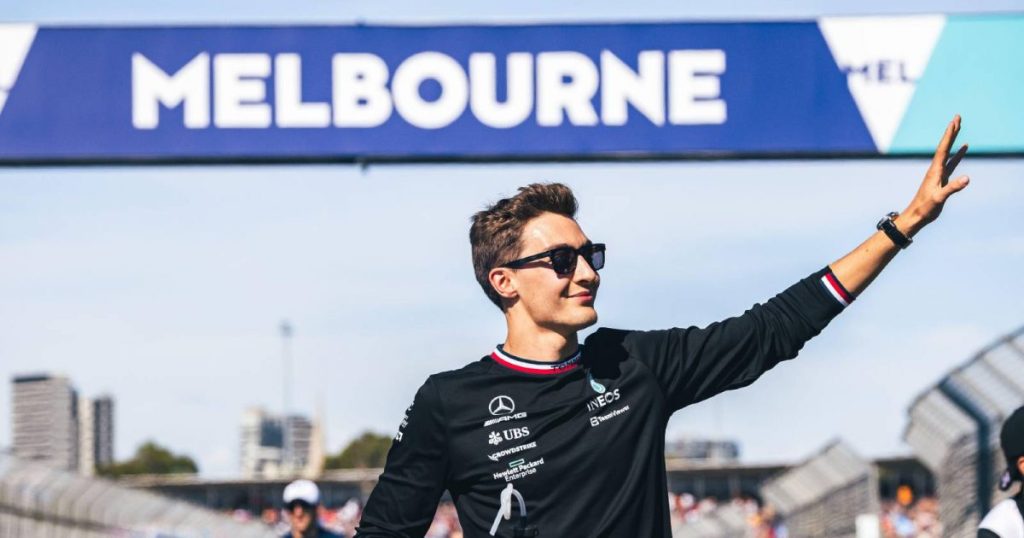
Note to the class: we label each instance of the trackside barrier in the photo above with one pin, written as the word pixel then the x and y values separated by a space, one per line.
pixel 824 496
pixel 37 501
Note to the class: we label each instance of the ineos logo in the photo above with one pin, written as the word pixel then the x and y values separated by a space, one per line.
pixel 501 405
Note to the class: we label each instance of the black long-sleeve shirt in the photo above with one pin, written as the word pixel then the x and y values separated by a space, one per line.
pixel 583 440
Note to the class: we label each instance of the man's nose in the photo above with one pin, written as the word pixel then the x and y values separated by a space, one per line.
pixel 584 272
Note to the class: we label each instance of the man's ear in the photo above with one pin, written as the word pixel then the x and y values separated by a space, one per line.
pixel 503 281
pixel 1020 465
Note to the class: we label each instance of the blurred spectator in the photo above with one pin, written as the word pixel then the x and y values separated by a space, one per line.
pixel 302 504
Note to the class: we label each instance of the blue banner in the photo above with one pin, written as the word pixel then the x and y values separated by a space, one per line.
pixel 350 93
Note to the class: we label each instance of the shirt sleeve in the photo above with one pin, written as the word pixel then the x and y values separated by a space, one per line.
pixel 405 499
pixel 693 364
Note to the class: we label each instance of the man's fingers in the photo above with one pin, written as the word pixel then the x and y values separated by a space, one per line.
pixel 952 163
pixel 942 151
pixel 954 186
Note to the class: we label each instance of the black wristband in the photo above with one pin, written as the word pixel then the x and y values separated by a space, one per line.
pixel 889 227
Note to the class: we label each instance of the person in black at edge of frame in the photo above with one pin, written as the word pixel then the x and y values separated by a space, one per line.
pixel 301 501
pixel 1006 520
pixel 575 434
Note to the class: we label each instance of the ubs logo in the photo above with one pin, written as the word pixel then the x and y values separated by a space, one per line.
pixel 501 405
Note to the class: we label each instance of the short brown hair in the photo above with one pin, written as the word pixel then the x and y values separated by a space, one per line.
pixel 496 233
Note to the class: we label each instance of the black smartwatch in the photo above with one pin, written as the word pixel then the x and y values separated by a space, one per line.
pixel 889 227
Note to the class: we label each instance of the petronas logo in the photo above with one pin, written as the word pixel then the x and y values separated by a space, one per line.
pixel 598 388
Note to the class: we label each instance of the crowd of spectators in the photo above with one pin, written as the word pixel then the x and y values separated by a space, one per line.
pixel 899 518
pixel 918 519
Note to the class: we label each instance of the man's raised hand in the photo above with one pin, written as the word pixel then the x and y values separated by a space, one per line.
pixel 937 188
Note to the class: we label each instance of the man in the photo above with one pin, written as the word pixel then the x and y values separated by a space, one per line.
pixel 301 501
pixel 575 433
pixel 1006 520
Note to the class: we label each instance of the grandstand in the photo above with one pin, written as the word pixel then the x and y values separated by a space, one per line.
pixel 954 430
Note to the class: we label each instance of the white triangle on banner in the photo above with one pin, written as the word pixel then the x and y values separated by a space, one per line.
pixel 15 41
pixel 883 58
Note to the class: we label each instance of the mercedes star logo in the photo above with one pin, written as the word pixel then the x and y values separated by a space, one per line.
pixel 501 405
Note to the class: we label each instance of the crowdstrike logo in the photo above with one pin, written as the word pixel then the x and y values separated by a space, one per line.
pixel 514 450
pixel 15 42
pixel 501 405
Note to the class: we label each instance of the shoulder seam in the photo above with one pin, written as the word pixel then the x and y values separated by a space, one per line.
pixel 445 428
pixel 657 383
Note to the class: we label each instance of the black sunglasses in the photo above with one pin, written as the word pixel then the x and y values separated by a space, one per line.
pixel 305 506
pixel 563 259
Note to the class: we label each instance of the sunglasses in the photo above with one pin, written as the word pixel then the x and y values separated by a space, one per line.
pixel 563 259
pixel 305 506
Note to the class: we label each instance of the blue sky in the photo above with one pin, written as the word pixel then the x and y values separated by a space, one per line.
pixel 165 286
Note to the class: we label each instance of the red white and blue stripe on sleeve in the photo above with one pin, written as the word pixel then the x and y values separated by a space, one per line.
pixel 836 289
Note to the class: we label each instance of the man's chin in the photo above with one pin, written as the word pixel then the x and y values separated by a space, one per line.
pixel 584 319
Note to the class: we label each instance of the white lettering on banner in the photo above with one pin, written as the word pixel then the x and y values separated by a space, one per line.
pixel 239 90
pixel 406 89
pixel 644 89
pixel 882 71
pixel 694 87
pixel 361 97
pixel 566 81
pixel 290 111
pixel 152 87
pixel 556 86
pixel 483 97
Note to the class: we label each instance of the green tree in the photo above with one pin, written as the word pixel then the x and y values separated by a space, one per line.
pixel 370 450
pixel 150 458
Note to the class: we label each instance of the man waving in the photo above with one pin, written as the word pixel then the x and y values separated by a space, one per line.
pixel 575 432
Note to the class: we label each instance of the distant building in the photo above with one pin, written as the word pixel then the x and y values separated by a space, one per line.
pixel 45 420
pixel 703 450
pixel 86 438
pixel 298 431
pixel 103 430
pixel 261 444
pixel 272 447
pixel 53 425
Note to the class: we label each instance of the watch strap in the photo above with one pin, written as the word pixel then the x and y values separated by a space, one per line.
pixel 888 226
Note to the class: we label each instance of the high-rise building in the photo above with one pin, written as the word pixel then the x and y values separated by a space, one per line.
pixel 272 447
pixel 86 433
pixel 298 431
pixel 96 433
pixel 45 421
pixel 262 444
pixel 53 425
pixel 103 430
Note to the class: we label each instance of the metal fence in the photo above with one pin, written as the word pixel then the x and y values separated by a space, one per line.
pixel 726 521
pixel 954 430
pixel 37 501
pixel 824 496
